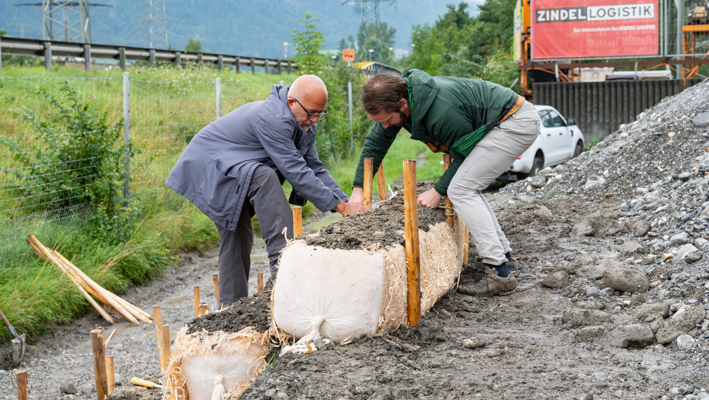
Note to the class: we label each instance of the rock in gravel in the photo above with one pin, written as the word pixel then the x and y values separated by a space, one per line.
pixel 701 242
pixel 592 292
pixel 649 259
pixel 625 279
pixel 581 317
pixel 68 388
pixel 660 308
pixel 472 343
pixel 682 322
pixel 693 257
pixel 685 342
pixel 543 213
pixel 558 279
pixel 641 228
pixel 701 120
pixel 682 252
pixel 592 271
pixel 629 248
pixel 578 262
pixel 537 181
pixel 679 239
pixel 635 335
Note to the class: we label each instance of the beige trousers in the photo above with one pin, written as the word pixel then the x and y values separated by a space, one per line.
pixel 491 158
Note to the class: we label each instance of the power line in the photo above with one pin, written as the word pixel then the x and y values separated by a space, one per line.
pixel 370 9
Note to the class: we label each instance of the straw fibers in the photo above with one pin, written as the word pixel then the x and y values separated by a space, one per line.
pixel 204 343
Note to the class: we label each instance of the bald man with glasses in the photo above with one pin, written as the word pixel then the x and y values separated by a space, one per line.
pixel 233 169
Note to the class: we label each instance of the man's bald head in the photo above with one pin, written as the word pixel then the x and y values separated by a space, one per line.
pixel 311 93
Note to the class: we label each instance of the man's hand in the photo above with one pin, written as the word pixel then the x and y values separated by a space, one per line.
pixel 346 208
pixel 357 197
pixel 429 199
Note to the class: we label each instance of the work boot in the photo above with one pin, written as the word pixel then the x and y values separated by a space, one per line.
pixel 488 283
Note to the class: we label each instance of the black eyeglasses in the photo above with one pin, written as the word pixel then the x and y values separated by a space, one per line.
pixel 311 115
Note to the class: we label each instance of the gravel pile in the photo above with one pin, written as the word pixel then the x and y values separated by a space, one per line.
pixel 654 173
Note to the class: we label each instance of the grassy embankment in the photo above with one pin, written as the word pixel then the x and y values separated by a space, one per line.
pixel 163 118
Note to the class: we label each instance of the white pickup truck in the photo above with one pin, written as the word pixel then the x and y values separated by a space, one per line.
pixel 559 140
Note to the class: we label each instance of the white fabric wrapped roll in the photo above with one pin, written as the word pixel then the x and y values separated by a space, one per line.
pixel 338 292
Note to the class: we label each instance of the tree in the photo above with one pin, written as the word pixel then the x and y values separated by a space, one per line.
pixel 308 44
pixel 2 32
pixel 377 37
pixel 194 45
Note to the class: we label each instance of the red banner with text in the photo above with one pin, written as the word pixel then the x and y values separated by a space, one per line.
pixel 594 28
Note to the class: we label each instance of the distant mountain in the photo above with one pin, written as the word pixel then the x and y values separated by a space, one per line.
pixel 253 28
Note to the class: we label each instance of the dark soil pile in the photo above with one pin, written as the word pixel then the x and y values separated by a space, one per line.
pixel 378 226
pixel 248 311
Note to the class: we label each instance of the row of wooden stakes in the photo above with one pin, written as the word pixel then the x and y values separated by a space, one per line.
pixel 413 260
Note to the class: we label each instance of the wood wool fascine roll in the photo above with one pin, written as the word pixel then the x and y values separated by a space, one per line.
pixel 348 293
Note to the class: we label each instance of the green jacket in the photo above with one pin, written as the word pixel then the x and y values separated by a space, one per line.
pixel 443 109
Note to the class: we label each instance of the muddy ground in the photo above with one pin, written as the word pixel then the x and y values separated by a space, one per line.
pixel 528 351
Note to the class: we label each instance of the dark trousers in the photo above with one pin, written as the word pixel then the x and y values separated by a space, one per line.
pixel 266 200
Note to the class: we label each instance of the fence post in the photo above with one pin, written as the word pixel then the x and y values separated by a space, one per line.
pixel 280 67
pixel 220 62
pixel 219 97
pixel 289 67
pixel 126 136
pixel 265 66
pixel 253 65
pixel 178 58
pixel 349 101
pixel 199 58
pixel 122 57
pixel 87 57
pixel 152 58
pixel 47 56
pixel 237 65
pixel 0 53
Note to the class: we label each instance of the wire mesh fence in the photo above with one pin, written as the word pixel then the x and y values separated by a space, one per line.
pixel 163 118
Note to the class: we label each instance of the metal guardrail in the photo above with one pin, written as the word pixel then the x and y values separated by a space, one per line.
pixel 49 49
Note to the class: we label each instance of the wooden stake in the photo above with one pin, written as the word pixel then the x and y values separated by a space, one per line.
pixel 157 316
pixel 466 244
pixel 411 224
pixel 110 375
pixel 196 301
pixel 260 281
pixel 166 345
pixel 133 310
pixel 216 289
pixel 54 260
pixel 21 376
pixel 446 164
pixel 297 221
pixel 203 309
pixel 368 168
pixel 381 183
pixel 99 363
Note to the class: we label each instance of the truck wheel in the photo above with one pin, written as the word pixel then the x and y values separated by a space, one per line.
pixel 537 166
pixel 578 150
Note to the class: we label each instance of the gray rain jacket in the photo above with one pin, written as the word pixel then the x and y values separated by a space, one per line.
pixel 214 171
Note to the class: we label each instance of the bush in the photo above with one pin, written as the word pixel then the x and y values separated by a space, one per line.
pixel 75 158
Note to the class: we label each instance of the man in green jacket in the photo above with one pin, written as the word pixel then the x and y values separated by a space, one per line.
pixel 484 127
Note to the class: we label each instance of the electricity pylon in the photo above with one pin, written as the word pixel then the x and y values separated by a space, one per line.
pixel 79 23
pixel 157 19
